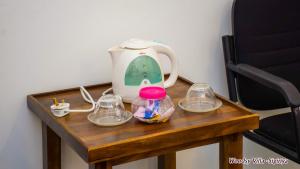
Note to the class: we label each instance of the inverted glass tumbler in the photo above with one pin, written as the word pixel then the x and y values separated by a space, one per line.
pixel 109 111
pixel 200 98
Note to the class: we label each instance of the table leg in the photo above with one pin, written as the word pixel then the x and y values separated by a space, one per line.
pixel 231 146
pixel 167 161
pixel 51 148
pixel 101 165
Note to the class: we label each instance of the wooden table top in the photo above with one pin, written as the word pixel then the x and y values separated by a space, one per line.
pixel 94 143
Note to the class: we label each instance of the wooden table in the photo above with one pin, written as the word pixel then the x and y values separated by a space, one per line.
pixel 103 147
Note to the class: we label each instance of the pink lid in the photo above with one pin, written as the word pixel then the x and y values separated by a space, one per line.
pixel 153 93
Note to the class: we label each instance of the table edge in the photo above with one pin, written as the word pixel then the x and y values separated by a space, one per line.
pixel 84 150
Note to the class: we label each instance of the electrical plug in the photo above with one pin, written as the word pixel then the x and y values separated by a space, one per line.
pixel 60 109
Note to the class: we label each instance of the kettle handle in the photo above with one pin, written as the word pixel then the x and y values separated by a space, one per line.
pixel 166 50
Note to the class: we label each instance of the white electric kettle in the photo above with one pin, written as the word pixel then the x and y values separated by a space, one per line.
pixel 136 64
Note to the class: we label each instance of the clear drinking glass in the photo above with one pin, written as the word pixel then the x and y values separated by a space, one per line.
pixel 109 111
pixel 199 98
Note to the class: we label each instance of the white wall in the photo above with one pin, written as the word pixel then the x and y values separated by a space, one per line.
pixel 48 45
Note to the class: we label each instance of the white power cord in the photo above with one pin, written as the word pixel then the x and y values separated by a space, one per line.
pixel 88 98
pixel 62 109
pixel 106 91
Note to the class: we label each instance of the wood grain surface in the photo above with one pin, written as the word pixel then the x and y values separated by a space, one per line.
pixel 51 148
pixel 231 146
pixel 167 161
pixel 135 139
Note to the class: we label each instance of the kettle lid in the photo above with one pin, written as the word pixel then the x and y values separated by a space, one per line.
pixel 135 44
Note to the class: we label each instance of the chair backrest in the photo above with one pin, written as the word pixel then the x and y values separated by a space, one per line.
pixel 267 36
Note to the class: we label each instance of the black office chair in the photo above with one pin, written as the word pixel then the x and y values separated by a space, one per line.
pixel 262 60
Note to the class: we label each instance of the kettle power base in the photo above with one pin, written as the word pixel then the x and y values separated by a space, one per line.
pixel 109 120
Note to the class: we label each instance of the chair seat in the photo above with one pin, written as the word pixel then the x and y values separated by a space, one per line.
pixel 280 129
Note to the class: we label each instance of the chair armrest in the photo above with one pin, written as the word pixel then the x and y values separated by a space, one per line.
pixel 286 88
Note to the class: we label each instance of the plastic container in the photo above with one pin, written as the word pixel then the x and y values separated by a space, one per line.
pixel 153 105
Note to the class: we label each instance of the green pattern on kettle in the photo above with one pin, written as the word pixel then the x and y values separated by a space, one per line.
pixel 142 67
